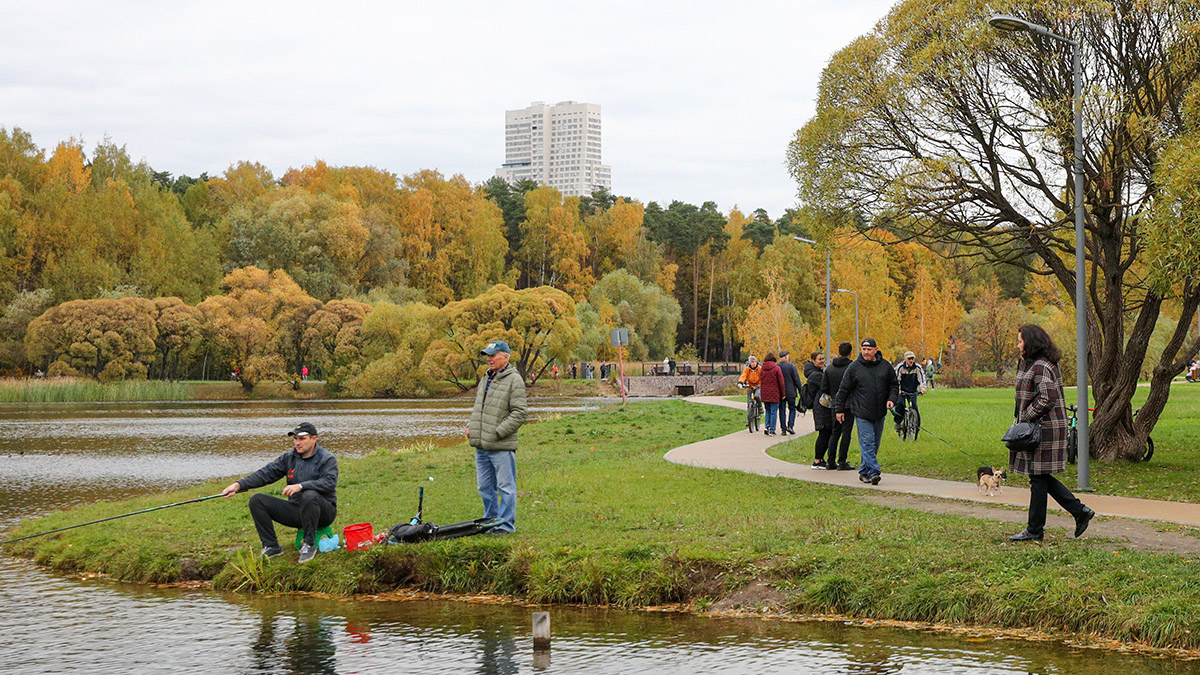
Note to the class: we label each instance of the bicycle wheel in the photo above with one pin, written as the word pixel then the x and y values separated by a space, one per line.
pixel 1149 449
pixel 1072 445
pixel 914 423
pixel 757 417
pixel 750 417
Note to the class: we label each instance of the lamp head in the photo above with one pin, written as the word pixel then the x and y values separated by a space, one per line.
pixel 1007 22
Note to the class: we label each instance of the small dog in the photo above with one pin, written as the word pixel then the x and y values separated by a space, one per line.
pixel 990 480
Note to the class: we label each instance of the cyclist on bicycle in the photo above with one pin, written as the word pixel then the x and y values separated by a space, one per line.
pixel 912 382
pixel 750 379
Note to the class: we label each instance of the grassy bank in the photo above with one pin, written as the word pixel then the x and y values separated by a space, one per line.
pixel 964 427
pixel 604 520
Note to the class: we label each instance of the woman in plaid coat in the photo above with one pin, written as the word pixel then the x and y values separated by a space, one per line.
pixel 1040 399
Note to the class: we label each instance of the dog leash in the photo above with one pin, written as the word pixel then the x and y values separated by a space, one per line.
pixel 927 431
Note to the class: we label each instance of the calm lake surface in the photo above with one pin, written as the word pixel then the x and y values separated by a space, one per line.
pixel 57 455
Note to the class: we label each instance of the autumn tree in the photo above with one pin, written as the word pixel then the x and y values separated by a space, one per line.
pixel 179 329
pixel 332 340
pixel 772 323
pixel 554 247
pixel 102 338
pixel 963 136
pixel 991 330
pixel 394 341
pixel 621 300
pixel 244 322
pixel 539 324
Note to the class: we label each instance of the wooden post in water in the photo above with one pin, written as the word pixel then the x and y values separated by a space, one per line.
pixel 541 630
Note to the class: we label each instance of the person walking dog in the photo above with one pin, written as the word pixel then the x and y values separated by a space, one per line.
pixel 869 389
pixel 311 491
pixel 498 413
pixel 1039 399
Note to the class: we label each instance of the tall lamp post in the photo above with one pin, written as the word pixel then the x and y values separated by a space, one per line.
pixel 843 290
pixel 828 293
pixel 1005 22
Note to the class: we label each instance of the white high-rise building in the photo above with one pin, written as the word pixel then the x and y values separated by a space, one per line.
pixel 555 145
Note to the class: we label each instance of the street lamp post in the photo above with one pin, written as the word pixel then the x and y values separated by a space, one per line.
pixel 843 290
pixel 828 294
pixel 1011 23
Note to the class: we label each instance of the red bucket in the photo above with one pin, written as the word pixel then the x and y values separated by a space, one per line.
pixel 357 536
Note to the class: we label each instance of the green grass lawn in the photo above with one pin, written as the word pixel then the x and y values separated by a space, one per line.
pixel 603 519
pixel 965 425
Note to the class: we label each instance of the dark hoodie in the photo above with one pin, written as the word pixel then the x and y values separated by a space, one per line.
pixel 822 416
pixel 833 376
pixel 866 388
pixel 772 382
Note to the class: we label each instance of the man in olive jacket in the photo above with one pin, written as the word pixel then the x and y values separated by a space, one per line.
pixel 499 411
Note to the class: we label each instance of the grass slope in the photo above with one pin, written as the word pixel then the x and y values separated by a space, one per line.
pixel 604 520
pixel 964 429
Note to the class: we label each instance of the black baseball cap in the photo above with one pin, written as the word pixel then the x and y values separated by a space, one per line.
pixel 869 342
pixel 303 429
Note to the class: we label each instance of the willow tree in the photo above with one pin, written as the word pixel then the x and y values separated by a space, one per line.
pixel 961 137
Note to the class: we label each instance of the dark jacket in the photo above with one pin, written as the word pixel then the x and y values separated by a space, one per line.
pixel 866 388
pixel 772 382
pixel 822 416
pixel 1040 399
pixel 318 473
pixel 833 376
pixel 791 379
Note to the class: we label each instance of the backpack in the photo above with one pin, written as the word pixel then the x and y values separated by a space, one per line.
pixel 411 534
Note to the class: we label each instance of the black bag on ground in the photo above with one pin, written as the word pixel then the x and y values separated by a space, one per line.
pixel 408 534
pixel 1023 436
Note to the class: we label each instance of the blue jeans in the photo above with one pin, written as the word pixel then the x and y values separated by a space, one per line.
pixel 496 476
pixel 772 413
pixel 870 433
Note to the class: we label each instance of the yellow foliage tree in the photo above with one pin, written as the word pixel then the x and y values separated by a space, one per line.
pixel 772 323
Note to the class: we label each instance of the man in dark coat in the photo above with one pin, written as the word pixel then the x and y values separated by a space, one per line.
pixel 842 430
pixel 791 384
pixel 869 389
pixel 814 372
pixel 312 474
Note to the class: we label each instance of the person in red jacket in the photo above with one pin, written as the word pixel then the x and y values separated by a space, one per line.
pixel 772 390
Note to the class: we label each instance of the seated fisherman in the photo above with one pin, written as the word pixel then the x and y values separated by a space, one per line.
pixel 311 492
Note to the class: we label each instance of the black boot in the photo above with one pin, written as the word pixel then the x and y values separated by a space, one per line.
pixel 1081 521
pixel 1026 535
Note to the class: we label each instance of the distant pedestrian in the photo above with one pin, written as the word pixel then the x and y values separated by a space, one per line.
pixel 1040 399
pixel 814 373
pixel 304 373
pixel 929 372
pixel 499 411
pixel 772 390
pixel 869 389
pixel 574 371
pixel 791 385
pixel 843 428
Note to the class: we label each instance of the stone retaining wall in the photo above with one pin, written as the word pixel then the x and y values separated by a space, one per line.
pixel 668 385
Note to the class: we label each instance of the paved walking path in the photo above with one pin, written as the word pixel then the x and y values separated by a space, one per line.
pixel 744 451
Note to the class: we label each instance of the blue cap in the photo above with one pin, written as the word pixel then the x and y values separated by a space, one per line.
pixel 494 347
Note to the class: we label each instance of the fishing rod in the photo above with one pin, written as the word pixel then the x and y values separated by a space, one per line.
pixel 123 515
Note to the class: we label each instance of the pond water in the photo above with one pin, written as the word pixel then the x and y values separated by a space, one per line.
pixel 52 456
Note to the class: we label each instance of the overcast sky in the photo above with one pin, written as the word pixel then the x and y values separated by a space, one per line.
pixel 699 99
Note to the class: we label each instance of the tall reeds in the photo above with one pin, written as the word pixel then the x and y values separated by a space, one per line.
pixel 73 389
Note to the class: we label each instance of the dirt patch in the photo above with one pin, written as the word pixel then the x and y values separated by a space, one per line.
pixel 1137 534
pixel 757 595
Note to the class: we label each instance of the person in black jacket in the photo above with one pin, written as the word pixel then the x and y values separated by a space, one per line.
pixel 791 385
pixel 814 371
pixel 869 389
pixel 839 438
pixel 311 492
